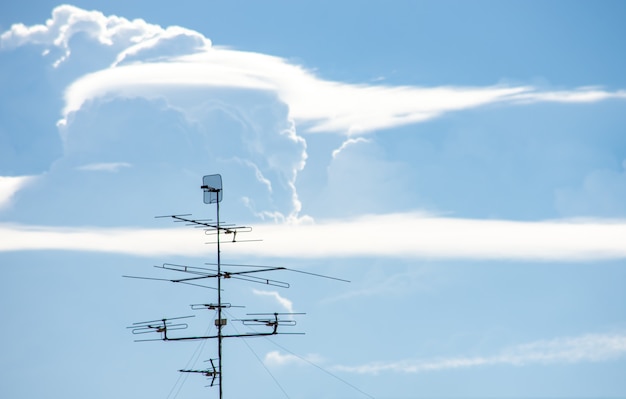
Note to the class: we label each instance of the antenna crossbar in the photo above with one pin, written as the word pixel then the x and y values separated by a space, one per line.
pixel 203 273
pixel 213 306
pixel 208 224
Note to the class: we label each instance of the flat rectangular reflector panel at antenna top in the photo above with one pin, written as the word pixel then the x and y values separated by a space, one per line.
pixel 212 187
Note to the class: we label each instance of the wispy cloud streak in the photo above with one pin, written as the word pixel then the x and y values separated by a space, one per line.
pixel 277 359
pixel 140 242
pixel 284 302
pixel 411 235
pixel 395 235
pixel 569 350
pixel 105 166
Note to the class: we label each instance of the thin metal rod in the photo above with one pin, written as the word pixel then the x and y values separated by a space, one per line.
pixel 219 300
pixel 269 268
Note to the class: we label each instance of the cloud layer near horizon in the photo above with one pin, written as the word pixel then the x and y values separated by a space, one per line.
pixel 398 235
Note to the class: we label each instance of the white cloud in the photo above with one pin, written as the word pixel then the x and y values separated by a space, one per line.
pixel 173 40
pixel 177 57
pixel 568 350
pixel 10 185
pixel 579 95
pixel 257 173
pixel 115 240
pixel 347 143
pixel 277 359
pixel 179 66
pixel 411 235
pixel 407 235
pixel 284 302
pixel 68 21
pixel 105 167
pixel 181 69
pixel 326 106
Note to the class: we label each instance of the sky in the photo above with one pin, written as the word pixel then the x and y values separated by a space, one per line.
pixel 462 164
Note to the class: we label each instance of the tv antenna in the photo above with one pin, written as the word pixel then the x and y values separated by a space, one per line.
pixel 212 194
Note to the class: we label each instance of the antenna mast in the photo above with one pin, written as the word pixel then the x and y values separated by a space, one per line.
pixel 213 191
pixel 212 187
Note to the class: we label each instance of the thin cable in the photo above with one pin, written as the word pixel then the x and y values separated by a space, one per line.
pixel 190 364
pixel 184 376
pixel 322 369
pixel 260 361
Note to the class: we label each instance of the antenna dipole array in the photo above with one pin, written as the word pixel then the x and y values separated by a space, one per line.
pixel 213 191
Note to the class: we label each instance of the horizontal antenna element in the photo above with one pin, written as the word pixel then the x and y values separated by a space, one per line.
pixel 212 372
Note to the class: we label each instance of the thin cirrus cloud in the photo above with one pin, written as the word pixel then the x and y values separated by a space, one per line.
pixel 347 143
pixel 402 235
pixel 105 166
pixel 566 350
pixel 277 359
pixel 147 64
pixel 284 302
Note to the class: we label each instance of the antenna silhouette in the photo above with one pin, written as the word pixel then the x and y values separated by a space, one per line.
pixel 200 276
pixel 209 373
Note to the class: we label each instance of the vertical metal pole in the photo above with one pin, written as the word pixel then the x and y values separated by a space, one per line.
pixel 219 300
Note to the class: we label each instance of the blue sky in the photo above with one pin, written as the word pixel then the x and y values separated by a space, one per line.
pixel 462 163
